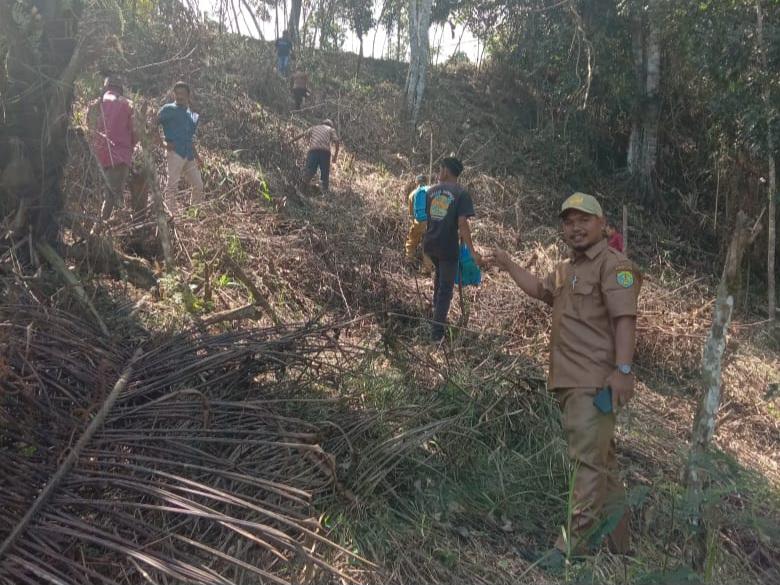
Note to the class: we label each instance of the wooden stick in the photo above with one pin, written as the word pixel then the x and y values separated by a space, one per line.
pixel 430 160
pixel 158 206
pixel 258 298
pixel 625 230
pixel 72 457
pixel 56 262
pixel 248 311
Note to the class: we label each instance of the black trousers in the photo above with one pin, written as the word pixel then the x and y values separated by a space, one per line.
pixel 315 159
pixel 443 287
pixel 299 93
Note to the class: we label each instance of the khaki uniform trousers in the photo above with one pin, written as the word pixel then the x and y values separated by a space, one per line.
pixel 178 167
pixel 113 196
pixel 598 495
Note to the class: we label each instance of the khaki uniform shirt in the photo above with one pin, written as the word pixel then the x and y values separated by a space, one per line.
pixel 586 295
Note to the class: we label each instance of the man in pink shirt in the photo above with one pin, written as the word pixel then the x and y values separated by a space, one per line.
pixel 110 120
pixel 614 237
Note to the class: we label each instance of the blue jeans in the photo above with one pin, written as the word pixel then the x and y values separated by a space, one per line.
pixel 443 287
pixel 318 159
pixel 283 64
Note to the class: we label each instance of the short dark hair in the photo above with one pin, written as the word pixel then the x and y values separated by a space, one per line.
pixel 453 165
pixel 113 81
pixel 182 85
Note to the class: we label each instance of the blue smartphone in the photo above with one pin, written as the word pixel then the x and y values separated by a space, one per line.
pixel 603 400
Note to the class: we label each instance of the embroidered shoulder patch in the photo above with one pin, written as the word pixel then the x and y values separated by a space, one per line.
pixel 625 278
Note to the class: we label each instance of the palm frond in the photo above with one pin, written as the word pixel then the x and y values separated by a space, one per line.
pixel 196 475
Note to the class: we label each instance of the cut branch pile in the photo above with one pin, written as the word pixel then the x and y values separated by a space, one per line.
pixel 192 476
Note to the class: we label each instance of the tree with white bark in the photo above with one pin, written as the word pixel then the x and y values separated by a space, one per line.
pixel 711 373
pixel 295 19
pixel 419 23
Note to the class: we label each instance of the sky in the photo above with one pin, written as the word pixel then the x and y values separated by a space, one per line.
pixel 449 42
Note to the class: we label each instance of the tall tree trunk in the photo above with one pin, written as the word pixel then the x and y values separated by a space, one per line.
pixel 771 236
pixel 360 56
pixel 642 153
pixel 772 187
pixel 419 23
pixel 398 40
pixel 295 17
pixel 221 17
pixel 638 53
pixel 45 56
pixel 712 361
pixel 651 113
pixel 235 17
pixel 251 12
pixel 378 26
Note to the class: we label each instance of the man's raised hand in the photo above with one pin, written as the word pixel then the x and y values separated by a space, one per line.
pixel 497 257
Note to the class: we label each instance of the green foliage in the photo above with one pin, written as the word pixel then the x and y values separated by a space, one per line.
pixel 359 15
pixel 469 457
pixel 715 45
pixel 235 248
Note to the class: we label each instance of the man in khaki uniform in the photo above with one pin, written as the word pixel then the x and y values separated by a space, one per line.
pixel 594 299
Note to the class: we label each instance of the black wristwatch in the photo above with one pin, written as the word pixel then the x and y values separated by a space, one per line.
pixel 625 369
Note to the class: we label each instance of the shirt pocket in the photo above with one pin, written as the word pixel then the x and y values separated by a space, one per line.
pixel 584 289
pixel 587 302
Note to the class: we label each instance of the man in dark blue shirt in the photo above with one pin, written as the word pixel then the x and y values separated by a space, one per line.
pixel 179 124
pixel 449 208
pixel 284 48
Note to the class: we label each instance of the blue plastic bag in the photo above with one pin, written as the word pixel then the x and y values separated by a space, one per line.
pixel 469 273
pixel 420 203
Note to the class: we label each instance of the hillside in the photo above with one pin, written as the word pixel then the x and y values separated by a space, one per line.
pixel 358 452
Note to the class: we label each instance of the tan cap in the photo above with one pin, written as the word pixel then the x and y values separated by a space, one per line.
pixel 583 202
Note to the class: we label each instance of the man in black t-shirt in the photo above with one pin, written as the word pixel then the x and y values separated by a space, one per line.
pixel 284 47
pixel 449 207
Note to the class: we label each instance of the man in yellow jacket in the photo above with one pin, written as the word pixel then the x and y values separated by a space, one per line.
pixel 417 227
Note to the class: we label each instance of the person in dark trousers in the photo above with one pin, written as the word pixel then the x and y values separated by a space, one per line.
pixel 449 208
pixel 320 137
pixel 110 120
pixel 284 47
pixel 299 82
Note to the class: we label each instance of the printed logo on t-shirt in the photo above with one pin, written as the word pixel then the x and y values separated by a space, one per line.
pixel 440 204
